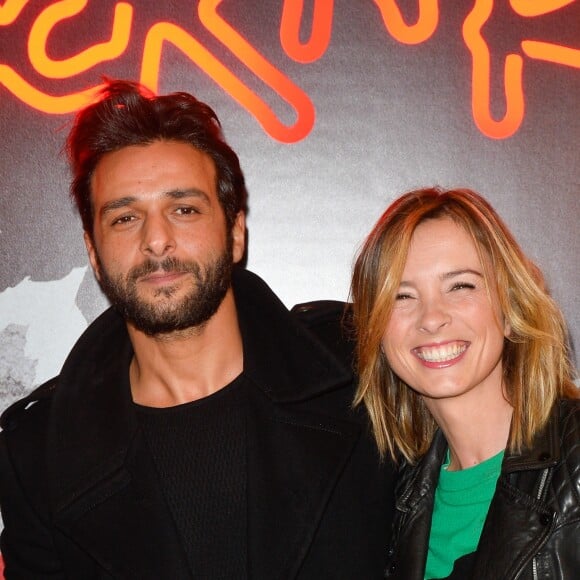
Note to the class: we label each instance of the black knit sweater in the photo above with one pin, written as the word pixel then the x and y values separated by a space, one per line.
pixel 199 450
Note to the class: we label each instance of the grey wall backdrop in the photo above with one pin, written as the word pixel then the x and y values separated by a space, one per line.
pixel 392 85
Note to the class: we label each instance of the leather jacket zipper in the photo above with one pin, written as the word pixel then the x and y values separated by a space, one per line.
pixel 542 483
pixel 539 495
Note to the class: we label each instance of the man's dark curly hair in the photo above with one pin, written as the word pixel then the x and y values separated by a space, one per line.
pixel 128 114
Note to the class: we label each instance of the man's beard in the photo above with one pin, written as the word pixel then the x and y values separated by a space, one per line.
pixel 210 285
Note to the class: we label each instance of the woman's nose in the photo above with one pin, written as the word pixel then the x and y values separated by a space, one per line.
pixel 433 315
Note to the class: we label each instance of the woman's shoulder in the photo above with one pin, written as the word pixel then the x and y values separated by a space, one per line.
pixel 570 422
pixel 568 474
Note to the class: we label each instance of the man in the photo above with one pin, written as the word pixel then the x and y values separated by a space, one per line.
pixel 197 429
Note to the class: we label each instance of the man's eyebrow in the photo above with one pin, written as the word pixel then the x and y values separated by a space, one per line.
pixel 117 204
pixel 191 192
pixel 173 194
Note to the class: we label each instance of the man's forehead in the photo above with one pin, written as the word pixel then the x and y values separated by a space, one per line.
pixel 162 167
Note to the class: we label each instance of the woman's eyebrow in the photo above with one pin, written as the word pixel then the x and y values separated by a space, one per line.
pixel 455 273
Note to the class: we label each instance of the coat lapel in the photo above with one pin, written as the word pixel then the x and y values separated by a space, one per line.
pixel 104 492
pixel 295 457
pixel 123 524
pixel 294 462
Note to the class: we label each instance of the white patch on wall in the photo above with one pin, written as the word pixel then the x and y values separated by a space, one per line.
pixel 39 323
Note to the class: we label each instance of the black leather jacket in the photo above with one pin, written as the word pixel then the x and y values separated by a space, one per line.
pixel 532 529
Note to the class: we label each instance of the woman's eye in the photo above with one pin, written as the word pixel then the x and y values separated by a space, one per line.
pixel 463 286
pixel 403 296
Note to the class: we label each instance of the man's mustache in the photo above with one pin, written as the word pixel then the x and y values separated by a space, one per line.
pixel 169 264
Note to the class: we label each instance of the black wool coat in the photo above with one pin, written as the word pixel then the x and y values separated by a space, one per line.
pixel 78 490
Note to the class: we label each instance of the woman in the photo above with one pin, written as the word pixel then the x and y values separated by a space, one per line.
pixel 466 376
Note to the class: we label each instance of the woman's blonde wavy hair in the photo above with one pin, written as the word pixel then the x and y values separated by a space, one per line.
pixel 536 358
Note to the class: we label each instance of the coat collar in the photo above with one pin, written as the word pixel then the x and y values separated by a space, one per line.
pixel 98 468
pixel 281 356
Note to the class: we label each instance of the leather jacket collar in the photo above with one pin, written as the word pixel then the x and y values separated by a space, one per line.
pixel 421 482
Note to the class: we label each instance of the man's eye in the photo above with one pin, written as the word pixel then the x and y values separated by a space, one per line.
pixel 186 210
pixel 124 219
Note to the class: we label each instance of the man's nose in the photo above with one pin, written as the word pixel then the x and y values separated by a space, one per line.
pixel 157 236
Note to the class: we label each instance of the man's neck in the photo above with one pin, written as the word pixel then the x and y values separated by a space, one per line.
pixel 184 366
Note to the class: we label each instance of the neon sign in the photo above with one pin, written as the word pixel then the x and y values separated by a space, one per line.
pixel 161 33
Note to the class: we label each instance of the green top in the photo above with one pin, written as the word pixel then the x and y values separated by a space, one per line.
pixel 462 501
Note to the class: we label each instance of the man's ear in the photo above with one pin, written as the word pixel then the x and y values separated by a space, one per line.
pixel 239 237
pixel 92 253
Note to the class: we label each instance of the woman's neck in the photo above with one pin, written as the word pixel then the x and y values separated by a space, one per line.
pixel 474 432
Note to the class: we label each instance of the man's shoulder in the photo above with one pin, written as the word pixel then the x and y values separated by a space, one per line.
pixel 28 408
pixel 331 322
pixel 328 322
pixel 23 457
pixel 323 314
